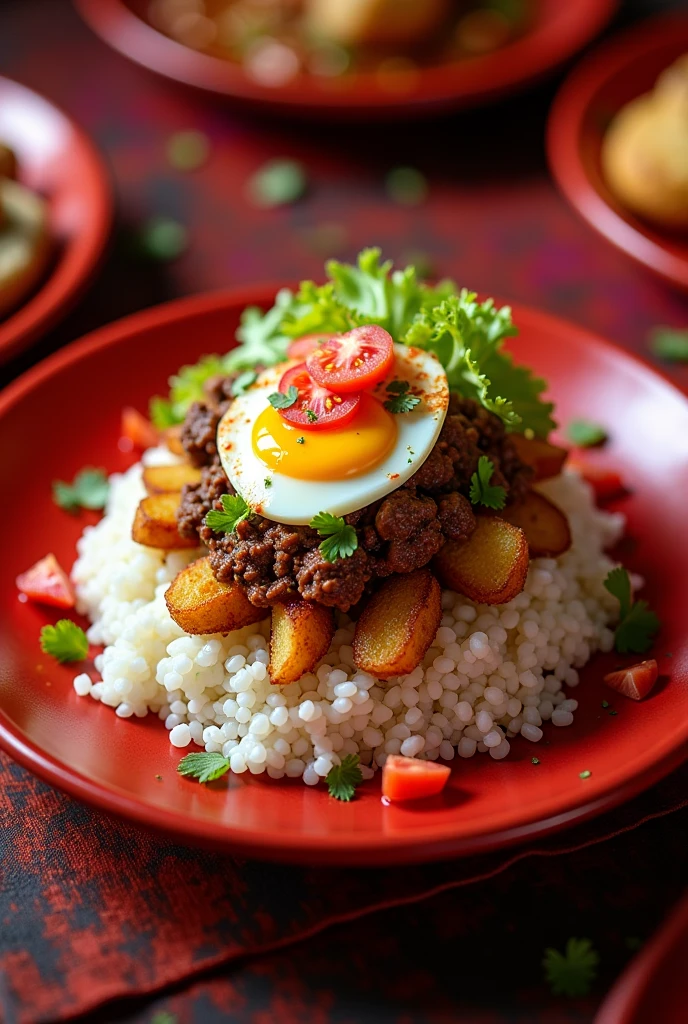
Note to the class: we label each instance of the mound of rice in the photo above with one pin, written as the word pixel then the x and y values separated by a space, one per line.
pixel 489 667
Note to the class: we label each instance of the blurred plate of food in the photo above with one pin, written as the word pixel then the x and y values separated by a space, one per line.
pixel 618 144
pixel 55 214
pixel 363 58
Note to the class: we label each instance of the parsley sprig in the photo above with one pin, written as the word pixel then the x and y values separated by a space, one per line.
pixel 284 399
pixel 340 538
pixel 64 641
pixel 343 778
pixel 234 511
pixel 89 489
pixel 585 433
pixel 572 972
pixel 637 624
pixel 482 493
pixel 398 398
pixel 203 766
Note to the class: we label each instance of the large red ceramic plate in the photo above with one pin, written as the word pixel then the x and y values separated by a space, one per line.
pixel 613 75
pixel 65 414
pixel 653 986
pixel 57 160
pixel 557 32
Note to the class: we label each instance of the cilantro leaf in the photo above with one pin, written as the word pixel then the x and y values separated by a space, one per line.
pixel 571 973
pixel 399 400
pixel 234 511
pixel 637 624
pixel 343 778
pixel 670 343
pixel 64 641
pixel 340 538
pixel 482 493
pixel 89 489
pixel 203 766
pixel 311 416
pixel 284 399
pixel 585 433
pixel 243 382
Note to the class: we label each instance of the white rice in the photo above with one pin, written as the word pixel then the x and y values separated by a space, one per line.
pixel 488 666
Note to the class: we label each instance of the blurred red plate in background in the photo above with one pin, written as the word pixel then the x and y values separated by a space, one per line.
pixel 57 160
pixel 81 746
pixel 653 986
pixel 615 73
pixel 558 31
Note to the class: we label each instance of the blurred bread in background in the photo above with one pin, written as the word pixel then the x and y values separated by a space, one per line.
pixel 24 235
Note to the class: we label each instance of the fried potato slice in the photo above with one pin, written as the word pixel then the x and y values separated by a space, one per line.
pixel 545 526
pixel 172 437
pixel 300 636
pixel 546 459
pixel 398 624
pixel 200 604
pixel 155 523
pixel 490 567
pixel 169 479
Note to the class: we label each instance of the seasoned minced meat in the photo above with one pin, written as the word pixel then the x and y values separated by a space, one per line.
pixel 400 533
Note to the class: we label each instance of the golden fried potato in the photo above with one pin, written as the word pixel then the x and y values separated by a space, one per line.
pixel 172 438
pixel 155 524
pixel 300 636
pixel 545 526
pixel 25 242
pixel 398 624
pixel 200 604
pixel 547 460
pixel 169 479
pixel 490 567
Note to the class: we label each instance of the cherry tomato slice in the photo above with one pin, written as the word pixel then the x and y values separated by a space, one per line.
pixel 353 361
pixel 316 408
pixel 409 778
pixel 302 347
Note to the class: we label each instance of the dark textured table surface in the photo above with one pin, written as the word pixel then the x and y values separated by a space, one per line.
pixel 493 220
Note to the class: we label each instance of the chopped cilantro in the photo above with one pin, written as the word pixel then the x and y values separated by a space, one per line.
pixel 585 775
pixel 243 382
pixel 267 481
pixel 605 703
pixel 89 489
pixel 585 433
pixel 234 511
pixel 670 343
pixel 571 973
pixel 535 760
pixel 300 440
pixel 343 778
pixel 482 493
pixel 203 766
pixel 637 624
pixel 277 183
pixel 398 398
pixel 64 641
pixel 340 538
pixel 311 416
pixel 613 713
pixel 283 399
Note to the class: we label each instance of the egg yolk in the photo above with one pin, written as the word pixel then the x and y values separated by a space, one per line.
pixel 326 454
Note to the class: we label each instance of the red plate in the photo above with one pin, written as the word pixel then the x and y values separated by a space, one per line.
pixel 56 159
pixel 65 414
pixel 558 31
pixel 614 74
pixel 653 986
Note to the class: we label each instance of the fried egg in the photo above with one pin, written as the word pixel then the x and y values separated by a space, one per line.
pixel 289 473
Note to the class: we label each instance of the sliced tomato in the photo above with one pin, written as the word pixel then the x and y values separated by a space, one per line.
pixel 408 778
pixel 316 408
pixel 47 583
pixel 636 681
pixel 606 483
pixel 353 361
pixel 302 347
pixel 137 430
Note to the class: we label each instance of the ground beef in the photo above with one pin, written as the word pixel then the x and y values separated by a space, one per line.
pixel 402 532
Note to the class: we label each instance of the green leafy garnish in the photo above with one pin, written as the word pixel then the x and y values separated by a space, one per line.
pixel 187 386
pixel 234 511
pixel 278 182
pixel 571 973
pixel 482 493
pixel 343 778
pixel 65 641
pixel 670 343
pixel 300 440
pixel 162 413
pixel 89 489
pixel 311 416
pixel 284 399
pixel 585 774
pixel 586 434
pixel 399 400
pixel 243 382
pixel 267 481
pixel 637 624
pixel 203 766
pixel 535 760
pixel 340 538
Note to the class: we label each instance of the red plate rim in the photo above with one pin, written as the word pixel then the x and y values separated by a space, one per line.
pixel 332 848
pixel 81 253
pixel 552 41
pixel 564 139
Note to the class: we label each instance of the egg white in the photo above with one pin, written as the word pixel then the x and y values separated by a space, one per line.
pixel 288 500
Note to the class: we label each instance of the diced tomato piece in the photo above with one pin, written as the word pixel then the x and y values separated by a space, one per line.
pixel 316 408
pixel 606 483
pixel 409 778
pixel 353 361
pixel 137 429
pixel 47 583
pixel 634 682
pixel 302 347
